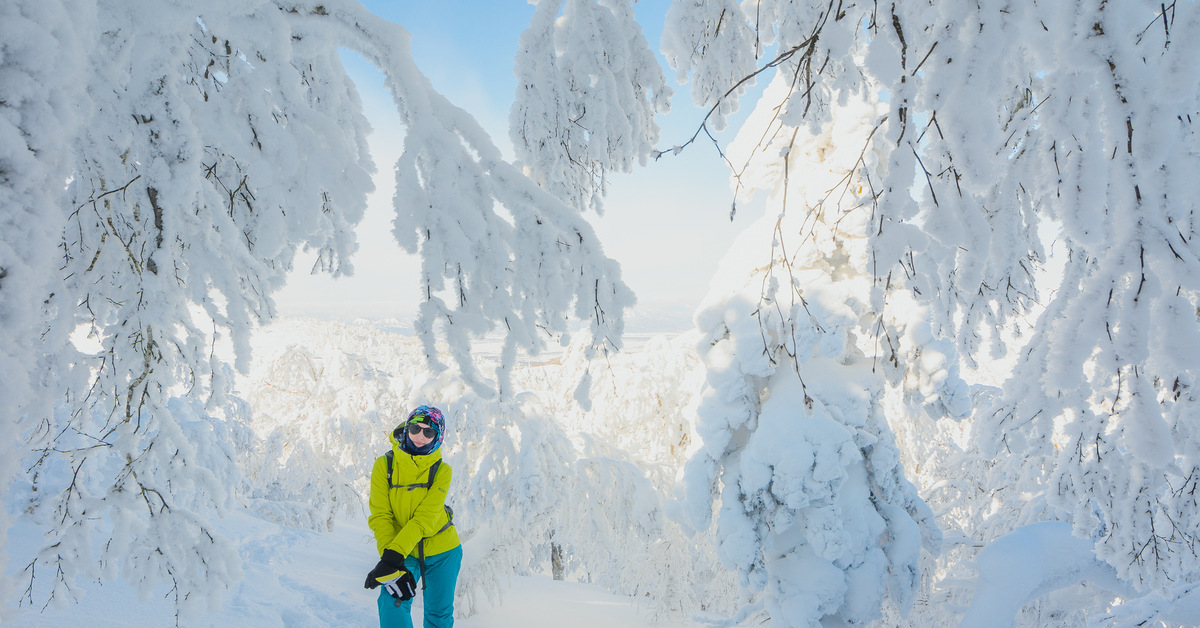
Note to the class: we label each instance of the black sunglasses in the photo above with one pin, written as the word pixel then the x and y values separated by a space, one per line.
pixel 415 429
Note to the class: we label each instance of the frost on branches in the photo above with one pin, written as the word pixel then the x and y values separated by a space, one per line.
pixel 1103 407
pixel 999 128
pixel 814 508
pixel 588 89
pixel 41 62
pixel 202 145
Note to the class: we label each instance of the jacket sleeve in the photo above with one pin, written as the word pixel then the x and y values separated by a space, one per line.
pixel 429 516
pixel 381 520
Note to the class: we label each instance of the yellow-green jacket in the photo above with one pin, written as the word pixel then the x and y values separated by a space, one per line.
pixel 400 517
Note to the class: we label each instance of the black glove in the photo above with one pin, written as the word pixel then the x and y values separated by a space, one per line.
pixel 391 573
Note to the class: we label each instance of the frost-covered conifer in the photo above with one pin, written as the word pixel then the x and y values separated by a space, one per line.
pixel 1000 126
pixel 815 511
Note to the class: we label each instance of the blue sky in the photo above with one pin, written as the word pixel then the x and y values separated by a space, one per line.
pixel 667 224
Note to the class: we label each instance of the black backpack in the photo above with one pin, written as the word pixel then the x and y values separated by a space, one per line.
pixel 433 469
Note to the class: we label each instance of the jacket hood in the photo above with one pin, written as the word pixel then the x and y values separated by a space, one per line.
pixel 428 415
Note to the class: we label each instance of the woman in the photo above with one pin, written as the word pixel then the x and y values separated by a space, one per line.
pixel 412 524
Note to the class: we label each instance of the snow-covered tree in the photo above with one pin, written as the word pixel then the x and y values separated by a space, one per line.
pixel 1100 403
pixel 815 510
pixel 200 145
pixel 1000 125
pixel 41 64
pixel 920 246
pixel 815 507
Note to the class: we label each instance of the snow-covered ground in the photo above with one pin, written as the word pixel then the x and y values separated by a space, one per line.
pixel 299 578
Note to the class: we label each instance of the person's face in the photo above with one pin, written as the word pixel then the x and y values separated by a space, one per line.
pixel 423 434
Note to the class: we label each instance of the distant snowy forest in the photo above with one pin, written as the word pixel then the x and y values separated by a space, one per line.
pixel 950 378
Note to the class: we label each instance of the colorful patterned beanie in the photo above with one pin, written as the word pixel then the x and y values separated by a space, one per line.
pixel 424 414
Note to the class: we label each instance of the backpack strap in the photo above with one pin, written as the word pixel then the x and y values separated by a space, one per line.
pixel 388 455
pixel 432 472
pixel 426 484
pixel 421 543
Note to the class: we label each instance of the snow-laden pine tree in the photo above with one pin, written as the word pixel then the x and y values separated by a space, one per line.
pixel 1000 127
pixel 1001 124
pixel 814 508
pixel 200 145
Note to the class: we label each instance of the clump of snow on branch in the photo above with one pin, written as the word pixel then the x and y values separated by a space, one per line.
pixel 588 88
pixel 1032 562
pixel 714 51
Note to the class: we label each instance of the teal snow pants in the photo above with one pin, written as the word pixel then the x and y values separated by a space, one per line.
pixel 441 577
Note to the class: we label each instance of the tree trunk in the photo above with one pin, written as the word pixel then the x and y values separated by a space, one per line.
pixel 556 561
